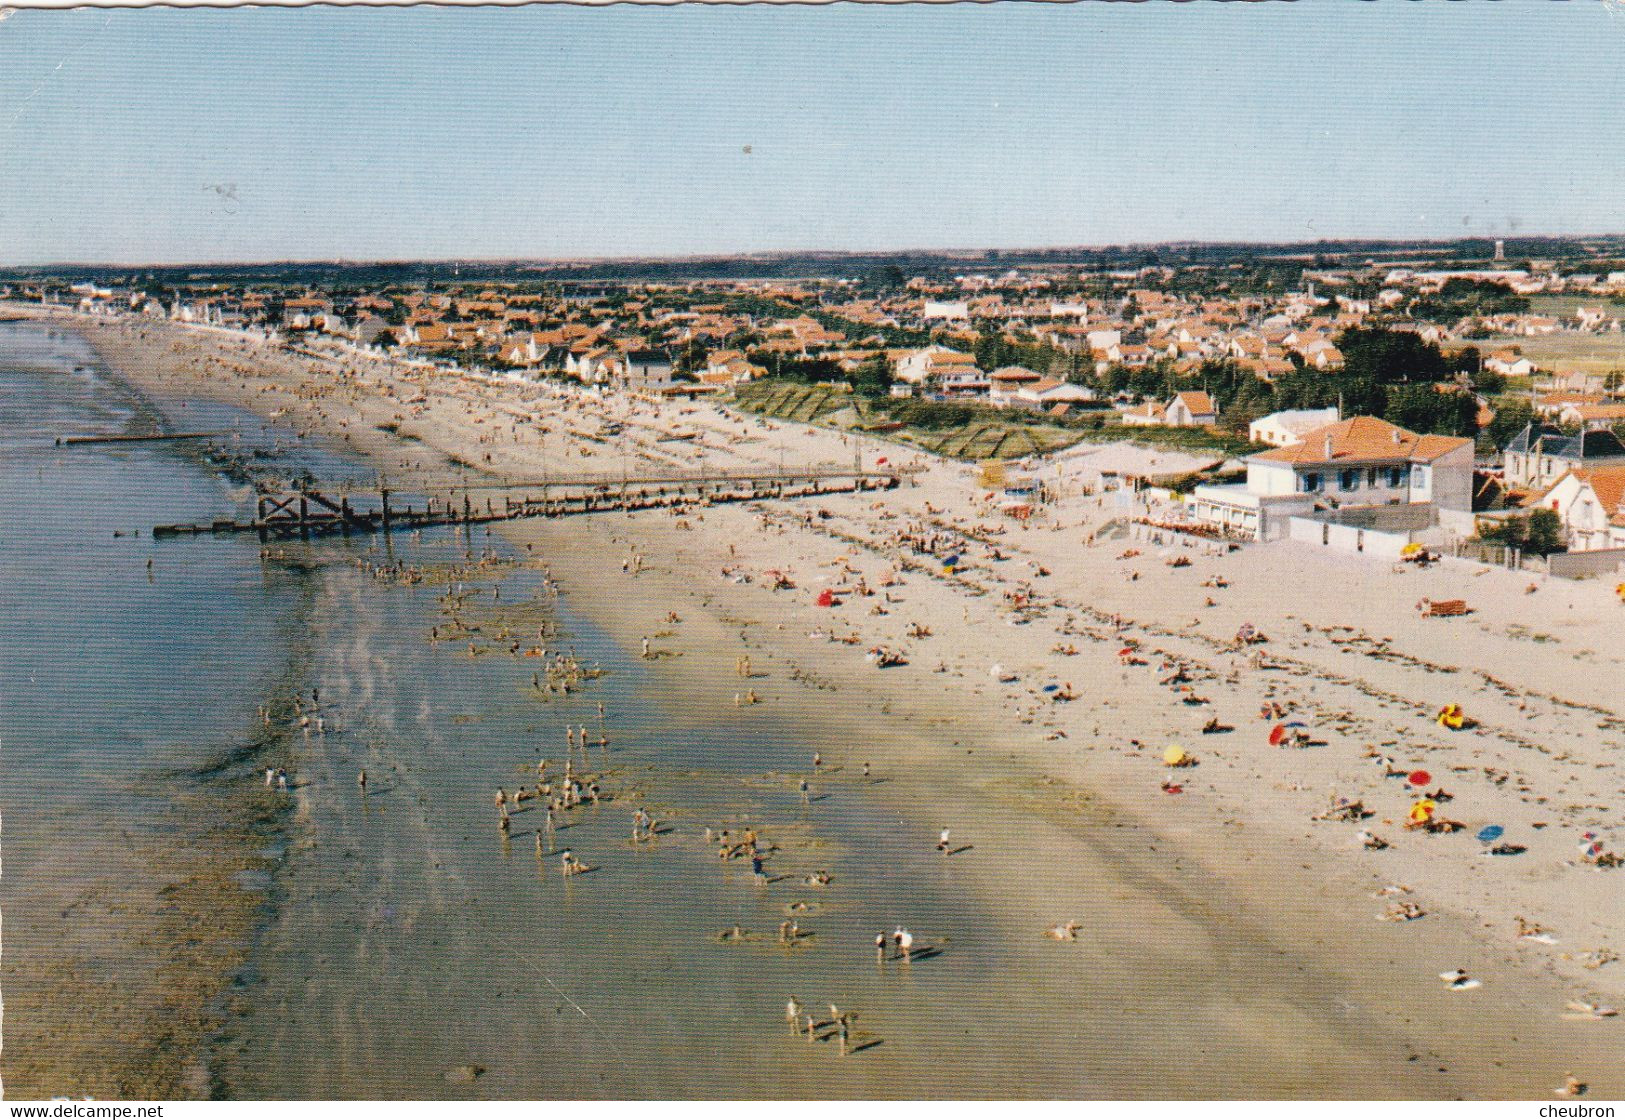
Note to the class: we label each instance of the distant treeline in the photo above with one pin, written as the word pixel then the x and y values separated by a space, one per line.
pixel 769 266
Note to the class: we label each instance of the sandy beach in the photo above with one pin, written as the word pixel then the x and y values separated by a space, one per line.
pixel 1231 936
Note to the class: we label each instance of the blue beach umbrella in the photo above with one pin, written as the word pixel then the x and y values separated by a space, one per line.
pixel 1490 833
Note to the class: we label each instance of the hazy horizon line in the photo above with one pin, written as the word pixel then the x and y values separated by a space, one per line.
pixel 782 254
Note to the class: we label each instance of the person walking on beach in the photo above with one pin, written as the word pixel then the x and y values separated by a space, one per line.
pixel 806 792
pixel 757 872
pixel 361 780
pixel 942 842
pixel 905 944
pixel 865 769
pixel 792 1014
pixel 818 762
pixel 270 776
pixel 645 649
pixel 880 947
pixel 281 780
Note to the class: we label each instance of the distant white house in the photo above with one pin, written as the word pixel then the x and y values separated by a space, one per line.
pixel 1282 429
pixel 1004 383
pixel 940 367
pixel 1509 363
pixel 943 309
pixel 1190 409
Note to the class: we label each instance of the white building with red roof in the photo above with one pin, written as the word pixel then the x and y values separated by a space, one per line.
pixel 1591 504
pixel 1362 463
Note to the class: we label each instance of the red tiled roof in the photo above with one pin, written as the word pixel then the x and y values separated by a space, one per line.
pixel 1364 439
pixel 1197 401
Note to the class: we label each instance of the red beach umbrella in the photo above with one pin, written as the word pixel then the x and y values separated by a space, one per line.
pixel 826 598
pixel 1277 734
pixel 1420 778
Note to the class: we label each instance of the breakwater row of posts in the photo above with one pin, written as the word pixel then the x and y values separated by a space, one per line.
pixel 310 510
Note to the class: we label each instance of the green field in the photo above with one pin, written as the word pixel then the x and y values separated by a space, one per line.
pixel 995 441
pixel 1563 353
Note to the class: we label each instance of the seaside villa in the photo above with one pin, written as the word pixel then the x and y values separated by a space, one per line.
pixel 1362 476
pixel 1591 504
pixel 1537 457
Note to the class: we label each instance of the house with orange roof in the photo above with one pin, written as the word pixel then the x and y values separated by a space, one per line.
pixel 1354 466
pixel 1050 394
pixel 1590 417
pixel 935 365
pixel 1005 382
pixel 1509 363
pixel 1591 504
pixel 729 367
pixel 1191 409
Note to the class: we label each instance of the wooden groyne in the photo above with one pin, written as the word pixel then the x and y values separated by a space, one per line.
pixel 309 511
pixel 80 441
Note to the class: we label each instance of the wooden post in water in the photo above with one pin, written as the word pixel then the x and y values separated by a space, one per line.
pixel 383 493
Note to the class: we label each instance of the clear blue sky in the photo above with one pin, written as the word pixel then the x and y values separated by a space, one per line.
pixel 548 131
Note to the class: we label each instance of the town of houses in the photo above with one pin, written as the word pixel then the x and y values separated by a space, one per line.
pixel 1055 343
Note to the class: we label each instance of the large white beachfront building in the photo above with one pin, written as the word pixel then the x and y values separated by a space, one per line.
pixel 1359 464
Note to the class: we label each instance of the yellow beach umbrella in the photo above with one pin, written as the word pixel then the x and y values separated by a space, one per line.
pixel 1173 756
